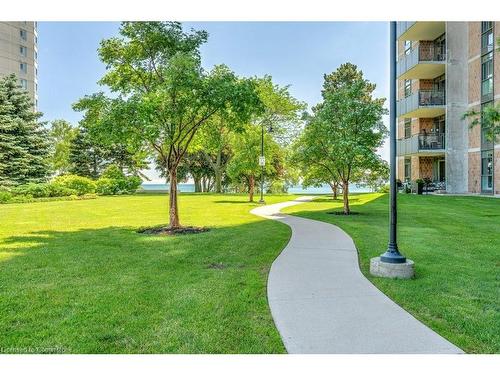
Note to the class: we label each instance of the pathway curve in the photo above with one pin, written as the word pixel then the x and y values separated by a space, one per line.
pixel 321 302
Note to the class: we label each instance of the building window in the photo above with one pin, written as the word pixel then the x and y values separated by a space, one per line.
pixel 407 47
pixel 407 169
pixel 23 51
pixel 23 67
pixel 407 87
pixel 23 83
pixel 487 171
pixel 487 76
pixel 407 127
pixel 23 34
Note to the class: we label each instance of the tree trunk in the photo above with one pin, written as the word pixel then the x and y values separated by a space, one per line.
pixel 251 187
pixel 345 195
pixel 334 186
pixel 218 173
pixel 173 207
pixel 197 184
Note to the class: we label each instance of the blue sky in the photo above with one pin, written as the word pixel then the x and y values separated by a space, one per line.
pixel 293 53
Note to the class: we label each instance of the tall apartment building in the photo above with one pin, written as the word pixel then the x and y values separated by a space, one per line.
pixel 445 69
pixel 18 54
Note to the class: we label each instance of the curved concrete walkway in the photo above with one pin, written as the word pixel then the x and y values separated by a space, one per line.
pixel 322 303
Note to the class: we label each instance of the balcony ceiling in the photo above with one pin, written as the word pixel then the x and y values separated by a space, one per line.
pixel 424 30
pixel 424 70
pixel 425 112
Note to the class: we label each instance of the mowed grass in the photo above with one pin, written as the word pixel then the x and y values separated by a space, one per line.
pixel 455 243
pixel 75 277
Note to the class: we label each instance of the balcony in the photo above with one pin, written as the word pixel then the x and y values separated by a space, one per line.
pixel 422 144
pixel 419 30
pixel 423 103
pixel 427 61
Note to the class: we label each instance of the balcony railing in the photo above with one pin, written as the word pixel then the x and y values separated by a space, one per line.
pixel 433 55
pixel 421 143
pixel 422 99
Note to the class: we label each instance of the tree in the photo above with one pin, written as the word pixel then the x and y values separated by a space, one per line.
pixel 163 95
pixel 347 126
pixel 489 119
pixel 86 158
pixel 244 165
pixel 61 135
pixel 310 155
pixel 376 176
pixel 24 148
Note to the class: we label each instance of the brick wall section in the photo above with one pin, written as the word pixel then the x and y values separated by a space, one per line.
pixel 474 172
pixel 496 173
pixel 496 61
pixel 426 52
pixel 415 168
pixel 426 163
pixel 424 123
pixel 423 84
pixel 475 132
pixel 400 173
pixel 474 38
pixel 475 81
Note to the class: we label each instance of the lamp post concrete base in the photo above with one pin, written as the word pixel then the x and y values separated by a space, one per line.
pixel 392 270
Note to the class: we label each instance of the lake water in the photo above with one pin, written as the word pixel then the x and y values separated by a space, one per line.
pixel 325 189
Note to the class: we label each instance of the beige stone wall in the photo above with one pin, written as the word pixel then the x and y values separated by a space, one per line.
pixel 475 172
pixel 11 56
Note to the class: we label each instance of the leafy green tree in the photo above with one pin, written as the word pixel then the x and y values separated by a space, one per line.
pixel 489 119
pixel 347 125
pixel 162 94
pixel 24 147
pixel 317 166
pixel 61 135
pixel 244 165
pixel 376 176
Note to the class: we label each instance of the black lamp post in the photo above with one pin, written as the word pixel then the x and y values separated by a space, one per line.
pixel 262 162
pixel 392 254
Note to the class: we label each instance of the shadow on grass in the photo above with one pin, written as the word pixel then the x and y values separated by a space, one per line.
pixel 112 290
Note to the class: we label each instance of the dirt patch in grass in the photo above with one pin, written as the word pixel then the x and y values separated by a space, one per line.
pixel 216 266
pixel 342 213
pixel 167 231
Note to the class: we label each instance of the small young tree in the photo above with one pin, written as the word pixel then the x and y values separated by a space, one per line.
pixel 24 146
pixel 61 135
pixel 164 95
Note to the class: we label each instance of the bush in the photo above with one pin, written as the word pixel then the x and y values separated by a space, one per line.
pixel 81 185
pixel 5 196
pixel 106 186
pixel 113 186
pixel 113 172
pixel 33 190
pixel 385 189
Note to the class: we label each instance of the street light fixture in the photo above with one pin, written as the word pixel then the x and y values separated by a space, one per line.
pixel 392 263
pixel 262 162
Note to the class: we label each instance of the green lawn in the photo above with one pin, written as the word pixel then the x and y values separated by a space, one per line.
pixel 455 243
pixel 76 277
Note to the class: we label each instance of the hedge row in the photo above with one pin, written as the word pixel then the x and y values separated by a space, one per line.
pixel 113 182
